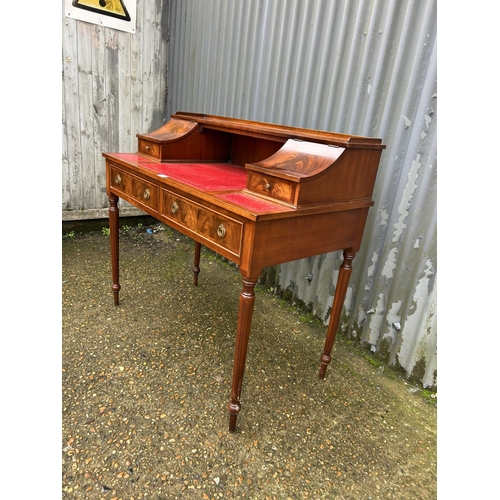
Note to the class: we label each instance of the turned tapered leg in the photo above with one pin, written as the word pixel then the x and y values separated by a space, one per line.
pixel 338 303
pixel 247 300
pixel 114 216
pixel 196 266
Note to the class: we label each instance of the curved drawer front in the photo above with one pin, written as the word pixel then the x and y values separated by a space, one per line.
pixel 225 232
pixel 141 192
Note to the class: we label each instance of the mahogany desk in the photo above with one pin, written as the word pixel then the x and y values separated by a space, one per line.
pixel 259 194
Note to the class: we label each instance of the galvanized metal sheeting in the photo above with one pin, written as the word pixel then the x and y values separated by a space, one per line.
pixel 360 67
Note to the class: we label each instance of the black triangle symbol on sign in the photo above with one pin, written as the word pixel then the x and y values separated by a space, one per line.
pixel 111 8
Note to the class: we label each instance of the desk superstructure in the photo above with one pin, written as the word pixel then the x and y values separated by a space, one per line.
pixel 259 194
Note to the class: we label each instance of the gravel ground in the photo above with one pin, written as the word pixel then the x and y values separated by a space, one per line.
pixel 146 386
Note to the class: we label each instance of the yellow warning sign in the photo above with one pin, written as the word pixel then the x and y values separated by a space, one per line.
pixel 112 8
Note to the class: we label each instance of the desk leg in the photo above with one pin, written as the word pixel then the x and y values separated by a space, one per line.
pixel 247 300
pixel 196 266
pixel 338 303
pixel 114 216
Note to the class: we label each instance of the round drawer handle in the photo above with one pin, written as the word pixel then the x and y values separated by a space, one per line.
pixel 148 148
pixel 147 194
pixel 118 179
pixel 267 186
pixel 221 231
pixel 174 207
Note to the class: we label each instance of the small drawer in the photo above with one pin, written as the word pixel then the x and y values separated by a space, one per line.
pixel 223 231
pixel 149 148
pixel 276 188
pixel 134 189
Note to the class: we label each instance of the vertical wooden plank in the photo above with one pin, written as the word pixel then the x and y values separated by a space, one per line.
pixel 124 70
pixel 136 93
pixel 84 107
pixel 65 199
pixel 100 108
pixel 147 49
pixel 111 121
pixel 71 130
pixel 163 36
pixel 153 67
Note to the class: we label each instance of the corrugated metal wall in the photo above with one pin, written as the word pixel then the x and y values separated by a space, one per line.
pixel 114 86
pixel 355 66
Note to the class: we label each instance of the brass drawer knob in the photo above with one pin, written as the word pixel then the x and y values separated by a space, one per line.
pixel 221 231
pixel 174 207
pixel 148 148
pixel 118 179
pixel 267 186
pixel 147 194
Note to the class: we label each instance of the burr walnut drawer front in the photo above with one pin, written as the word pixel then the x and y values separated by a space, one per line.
pixel 139 190
pixel 220 229
pixel 279 189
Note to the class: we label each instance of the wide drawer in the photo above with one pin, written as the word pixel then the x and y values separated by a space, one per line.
pixel 215 227
pixel 135 189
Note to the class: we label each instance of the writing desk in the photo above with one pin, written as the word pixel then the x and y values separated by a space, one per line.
pixel 259 194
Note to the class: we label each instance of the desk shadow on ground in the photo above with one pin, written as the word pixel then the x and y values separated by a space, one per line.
pixel 146 386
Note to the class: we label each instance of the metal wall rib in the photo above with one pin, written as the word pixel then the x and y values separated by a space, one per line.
pixel 355 66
